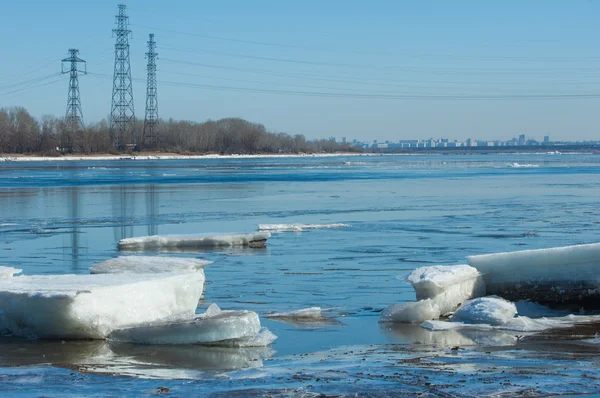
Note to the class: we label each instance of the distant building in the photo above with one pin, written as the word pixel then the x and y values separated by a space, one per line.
pixel 546 139
pixel 343 140
pixel 521 140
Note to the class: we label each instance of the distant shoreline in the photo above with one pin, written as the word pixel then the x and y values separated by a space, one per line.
pixel 165 156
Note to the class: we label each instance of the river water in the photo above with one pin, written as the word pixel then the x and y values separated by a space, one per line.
pixel 403 212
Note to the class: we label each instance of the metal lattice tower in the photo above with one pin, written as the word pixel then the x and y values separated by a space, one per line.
pixel 151 119
pixel 122 115
pixel 74 115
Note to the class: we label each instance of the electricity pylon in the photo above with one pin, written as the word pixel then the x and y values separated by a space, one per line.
pixel 151 119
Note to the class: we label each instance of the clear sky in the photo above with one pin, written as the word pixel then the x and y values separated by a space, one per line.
pixel 385 70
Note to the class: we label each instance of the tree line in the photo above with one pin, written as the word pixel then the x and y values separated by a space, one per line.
pixel 21 133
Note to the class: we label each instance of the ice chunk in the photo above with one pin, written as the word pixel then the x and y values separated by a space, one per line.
pixel 92 306
pixel 147 265
pixel 518 165
pixel 211 327
pixel 312 313
pixel 261 339
pixel 447 286
pixel 486 310
pixel 411 312
pixel 8 272
pixel 297 227
pixel 167 242
pixel 569 275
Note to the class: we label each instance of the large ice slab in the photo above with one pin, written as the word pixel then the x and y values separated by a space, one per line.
pixel 148 264
pixel 297 227
pixel 561 275
pixel 92 306
pixel 212 327
pixel 166 242
pixel 9 272
pixel 447 286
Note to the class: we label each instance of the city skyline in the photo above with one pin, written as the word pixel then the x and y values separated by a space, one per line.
pixel 341 68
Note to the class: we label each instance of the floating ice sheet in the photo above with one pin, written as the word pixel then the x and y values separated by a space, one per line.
pixel 92 306
pixel 569 274
pixel 213 327
pixel 298 227
pixel 312 313
pixel 166 242
pixel 148 264
pixel 8 272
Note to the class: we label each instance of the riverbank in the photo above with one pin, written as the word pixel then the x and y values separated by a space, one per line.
pixel 164 156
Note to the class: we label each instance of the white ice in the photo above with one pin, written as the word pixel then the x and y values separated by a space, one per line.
pixel 518 165
pixel 148 264
pixel 92 306
pixel 213 327
pixel 8 272
pixel 411 312
pixel 298 227
pixel 256 239
pixel 493 311
pixel 447 286
pixel 553 275
pixel 576 262
pixel 312 313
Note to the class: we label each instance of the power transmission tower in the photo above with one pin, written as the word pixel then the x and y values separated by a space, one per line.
pixel 122 115
pixel 151 119
pixel 74 115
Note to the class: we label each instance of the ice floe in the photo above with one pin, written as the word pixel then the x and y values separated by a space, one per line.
pixel 147 264
pixel 312 313
pixel 447 286
pixel 92 306
pixel 561 275
pixel 297 227
pixel 518 165
pixel 214 327
pixel 9 272
pixel 167 242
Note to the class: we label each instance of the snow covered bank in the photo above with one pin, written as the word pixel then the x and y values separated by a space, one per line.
pixel 561 275
pixel 297 227
pixel 440 290
pixel 92 306
pixel 166 242
pixel 235 328
pixel 147 265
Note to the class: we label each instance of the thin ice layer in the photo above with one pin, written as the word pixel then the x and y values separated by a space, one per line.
pixel 312 313
pixel 9 272
pixel 212 327
pixel 92 306
pixel 493 311
pixel 569 274
pixel 411 312
pixel 148 264
pixel 256 239
pixel 447 286
pixel 298 227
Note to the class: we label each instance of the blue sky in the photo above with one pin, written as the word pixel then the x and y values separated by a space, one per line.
pixel 385 70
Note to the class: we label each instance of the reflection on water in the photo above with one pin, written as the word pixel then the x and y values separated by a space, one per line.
pixel 152 209
pixel 75 207
pixel 123 209
pixel 130 359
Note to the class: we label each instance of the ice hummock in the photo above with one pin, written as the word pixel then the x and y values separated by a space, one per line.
pixel 560 275
pixel 148 264
pixel 92 306
pixel 214 327
pixel 174 242
pixel 493 311
pixel 440 290
pixel 9 272
pixel 447 286
pixel 298 227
